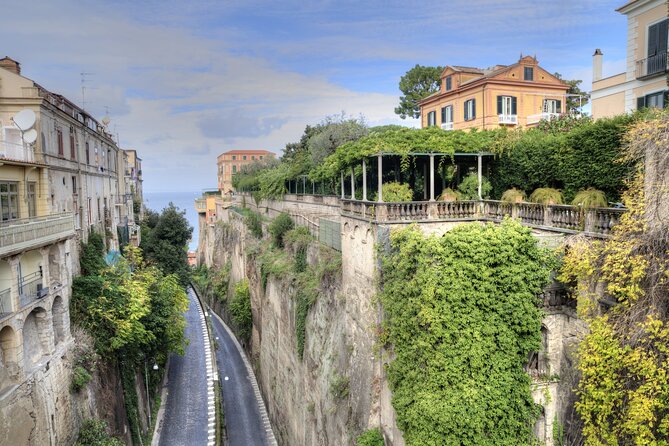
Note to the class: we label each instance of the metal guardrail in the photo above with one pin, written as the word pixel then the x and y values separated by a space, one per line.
pixel 6 301
pixel 652 65
pixel 34 231
pixel 16 152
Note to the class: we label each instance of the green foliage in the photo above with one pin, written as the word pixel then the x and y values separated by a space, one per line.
pixel 416 84
pixel 513 195
pixel 449 194
pixel 590 198
pixel 279 226
pixel 579 99
pixel 333 132
pixel 395 192
pixel 301 260
pixel 462 314
pixel 305 299
pixel 80 377
pixel 95 433
pixel 339 387
pixel 253 221
pixel 371 437
pixel 91 259
pixel 469 187
pixel 130 398
pixel 240 310
pixel 546 195
pixel 85 359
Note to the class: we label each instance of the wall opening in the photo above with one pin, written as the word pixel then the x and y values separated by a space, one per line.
pixel 35 337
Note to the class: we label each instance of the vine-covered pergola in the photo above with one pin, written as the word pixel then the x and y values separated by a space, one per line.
pixel 428 168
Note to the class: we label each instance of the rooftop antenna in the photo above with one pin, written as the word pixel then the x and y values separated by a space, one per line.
pixel 83 88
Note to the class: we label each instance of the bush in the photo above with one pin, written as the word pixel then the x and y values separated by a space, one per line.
pixel 395 192
pixel 80 377
pixel 95 433
pixel 590 198
pixel 371 437
pixel 240 310
pixel 449 194
pixel 339 387
pixel 278 228
pixel 253 222
pixel 513 195
pixel 547 195
pixel 469 188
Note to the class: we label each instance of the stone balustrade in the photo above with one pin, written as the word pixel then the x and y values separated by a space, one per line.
pixel 23 234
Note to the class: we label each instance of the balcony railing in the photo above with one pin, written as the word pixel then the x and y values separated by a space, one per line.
pixel 561 218
pixel 6 301
pixel 31 288
pixel 200 205
pixel 652 65
pixel 28 233
pixel 17 152
pixel 508 119
pixel 447 126
pixel 535 119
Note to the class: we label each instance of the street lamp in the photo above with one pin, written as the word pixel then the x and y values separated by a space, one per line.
pixel 146 381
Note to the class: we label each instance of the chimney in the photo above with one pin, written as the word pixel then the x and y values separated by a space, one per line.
pixel 597 65
pixel 11 65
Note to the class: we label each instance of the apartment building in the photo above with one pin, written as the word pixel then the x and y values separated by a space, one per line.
pixel 78 153
pixel 644 82
pixel 521 94
pixel 231 161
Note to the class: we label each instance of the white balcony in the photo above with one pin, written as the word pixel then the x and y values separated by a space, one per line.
pixel 31 233
pixel 535 119
pixel 447 126
pixel 17 152
pixel 508 119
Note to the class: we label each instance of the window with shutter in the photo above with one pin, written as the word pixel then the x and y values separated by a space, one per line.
pixel 529 74
pixel 506 105
pixel 449 83
pixel 470 109
pixel 657 47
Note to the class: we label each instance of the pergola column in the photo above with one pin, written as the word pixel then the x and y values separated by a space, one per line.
pixel 304 185
pixel 480 175
pixel 364 180
pixel 342 185
pixel 380 180
pixel 352 184
pixel 424 181
pixel 431 177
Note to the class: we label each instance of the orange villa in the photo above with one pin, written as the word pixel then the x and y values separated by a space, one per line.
pixel 231 161
pixel 521 94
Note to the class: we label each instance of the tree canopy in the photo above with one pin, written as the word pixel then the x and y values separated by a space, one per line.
pixel 416 84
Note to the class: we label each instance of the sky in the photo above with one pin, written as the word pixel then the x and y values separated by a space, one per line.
pixel 183 81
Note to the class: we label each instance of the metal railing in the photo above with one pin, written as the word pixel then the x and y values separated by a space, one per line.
pixel 534 119
pixel 562 218
pixel 447 126
pixel 508 119
pixel 652 65
pixel 31 288
pixel 6 301
pixel 16 152
pixel 27 232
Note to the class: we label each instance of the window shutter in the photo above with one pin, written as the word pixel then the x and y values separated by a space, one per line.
pixel 558 106
pixel 473 109
pixel 653 39
pixel 443 114
pixel 466 112
pixel 499 105
pixel 662 36
pixel 640 102
pixel 514 106
pixel 666 99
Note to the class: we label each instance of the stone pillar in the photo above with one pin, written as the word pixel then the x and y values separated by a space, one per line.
pixel 480 174
pixel 380 180
pixel 424 181
pixel 14 287
pixel 364 180
pixel 352 184
pixel 431 177
pixel 342 185
pixel 46 271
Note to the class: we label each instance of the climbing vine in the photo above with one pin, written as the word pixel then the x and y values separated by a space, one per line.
pixel 622 285
pixel 462 315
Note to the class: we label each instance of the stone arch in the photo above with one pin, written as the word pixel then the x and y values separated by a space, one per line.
pixel 537 362
pixel 347 228
pixel 9 353
pixel 356 231
pixel 60 320
pixel 36 336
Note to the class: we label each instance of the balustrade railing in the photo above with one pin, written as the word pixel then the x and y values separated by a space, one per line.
pixel 36 230
pixel 457 209
pixel 413 210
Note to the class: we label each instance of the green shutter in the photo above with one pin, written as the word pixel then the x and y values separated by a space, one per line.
pixel 558 106
pixel 640 102
pixel 514 106
pixel 473 108
pixel 466 114
pixel 499 105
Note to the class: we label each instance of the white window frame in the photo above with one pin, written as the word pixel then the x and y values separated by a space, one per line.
pixel 507 105
pixel 469 105
pixel 550 106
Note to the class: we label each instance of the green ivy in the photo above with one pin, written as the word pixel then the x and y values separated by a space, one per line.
pixel 279 226
pixel 462 315
pixel 240 310
pixel 371 437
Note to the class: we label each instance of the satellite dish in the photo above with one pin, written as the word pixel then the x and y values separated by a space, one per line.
pixel 30 136
pixel 24 119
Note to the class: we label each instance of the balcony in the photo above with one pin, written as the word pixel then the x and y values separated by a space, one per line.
pixel 508 119
pixel 535 119
pixel 652 66
pixel 16 152
pixel 200 205
pixel 31 288
pixel 29 233
pixel 447 126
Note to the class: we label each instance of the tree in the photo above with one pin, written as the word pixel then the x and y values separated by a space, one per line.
pixel 418 83
pixel 333 132
pixel 574 102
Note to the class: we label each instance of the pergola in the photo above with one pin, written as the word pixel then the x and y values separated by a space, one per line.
pixel 431 156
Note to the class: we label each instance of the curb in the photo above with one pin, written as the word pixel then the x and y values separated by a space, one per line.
pixel 158 427
pixel 271 440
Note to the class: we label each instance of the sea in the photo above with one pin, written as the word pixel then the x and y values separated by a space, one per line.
pixel 157 201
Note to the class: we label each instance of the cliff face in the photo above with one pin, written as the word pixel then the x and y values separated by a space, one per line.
pixel 336 390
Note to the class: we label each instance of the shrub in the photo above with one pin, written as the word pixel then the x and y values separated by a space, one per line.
pixel 240 310
pixel 278 228
pixel 395 192
pixel 95 433
pixel 253 222
pixel 371 437
pixel 513 195
pixel 449 194
pixel 80 377
pixel 339 386
pixel 590 198
pixel 469 187
pixel 547 195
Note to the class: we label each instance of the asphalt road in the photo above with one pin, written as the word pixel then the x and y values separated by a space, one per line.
pixel 244 424
pixel 186 413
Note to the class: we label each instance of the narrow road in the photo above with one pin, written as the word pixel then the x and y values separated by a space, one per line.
pixel 186 410
pixel 244 423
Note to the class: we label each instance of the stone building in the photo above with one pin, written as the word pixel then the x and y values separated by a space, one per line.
pixel 231 161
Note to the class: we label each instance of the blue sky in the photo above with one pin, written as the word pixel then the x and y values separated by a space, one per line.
pixel 184 81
